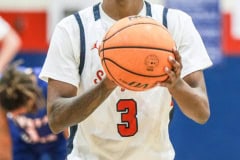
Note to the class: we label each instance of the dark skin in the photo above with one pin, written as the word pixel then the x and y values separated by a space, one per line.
pixel 122 8
pixel 65 108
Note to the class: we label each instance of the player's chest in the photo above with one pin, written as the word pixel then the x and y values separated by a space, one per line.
pixel 93 72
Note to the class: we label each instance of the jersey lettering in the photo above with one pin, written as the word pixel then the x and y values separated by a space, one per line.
pixel 128 109
pixel 99 75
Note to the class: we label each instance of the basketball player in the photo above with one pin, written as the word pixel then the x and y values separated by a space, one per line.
pixel 105 122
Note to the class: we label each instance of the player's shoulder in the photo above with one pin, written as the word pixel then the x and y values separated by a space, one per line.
pixel 178 14
pixel 70 21
pixel 172 14
pixel 67 24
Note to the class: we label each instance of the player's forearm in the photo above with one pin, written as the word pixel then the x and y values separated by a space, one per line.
pixel 193 102
pixel 70 111
pixel 10 47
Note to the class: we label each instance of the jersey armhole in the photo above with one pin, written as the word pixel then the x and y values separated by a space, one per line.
pixel 82 42
pixel 164 21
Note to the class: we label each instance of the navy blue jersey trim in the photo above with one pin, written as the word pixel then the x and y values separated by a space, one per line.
pixel 171 114
pixel 148 9
pixel 96 11
pixel 73 131
pixel 82 43
pixel 165 11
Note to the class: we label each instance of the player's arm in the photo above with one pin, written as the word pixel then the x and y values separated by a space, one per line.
pixel 65 109
pixel 5 138
pixel 11 44
pixel 191 97
pixel 190 92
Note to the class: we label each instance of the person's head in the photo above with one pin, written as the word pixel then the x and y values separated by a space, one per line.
pixel 18 92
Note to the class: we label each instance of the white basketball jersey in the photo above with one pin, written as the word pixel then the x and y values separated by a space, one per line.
pixel 128 125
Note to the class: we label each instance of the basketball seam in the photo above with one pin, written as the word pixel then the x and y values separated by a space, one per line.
pixel 107 59
pixel 138 47
pixel 105 39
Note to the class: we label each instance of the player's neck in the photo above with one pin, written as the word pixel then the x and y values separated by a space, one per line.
pixel 118 9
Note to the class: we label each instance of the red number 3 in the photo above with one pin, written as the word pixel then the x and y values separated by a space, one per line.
pixel 128 109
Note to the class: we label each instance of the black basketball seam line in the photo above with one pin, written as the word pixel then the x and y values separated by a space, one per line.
pixel 115 81
pixel 104 59
pixel 138 47
pixel 106 64
pixel 105 39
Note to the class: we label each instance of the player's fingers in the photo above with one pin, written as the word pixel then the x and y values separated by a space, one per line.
pixel 177 56
pixel 171 78
pixel 169 72
pixel 176 66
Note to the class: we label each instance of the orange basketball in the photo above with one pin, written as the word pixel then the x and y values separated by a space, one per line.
pixel 135 51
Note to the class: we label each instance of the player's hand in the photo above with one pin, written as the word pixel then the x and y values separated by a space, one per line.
pixel 109 84
pixel 174 73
